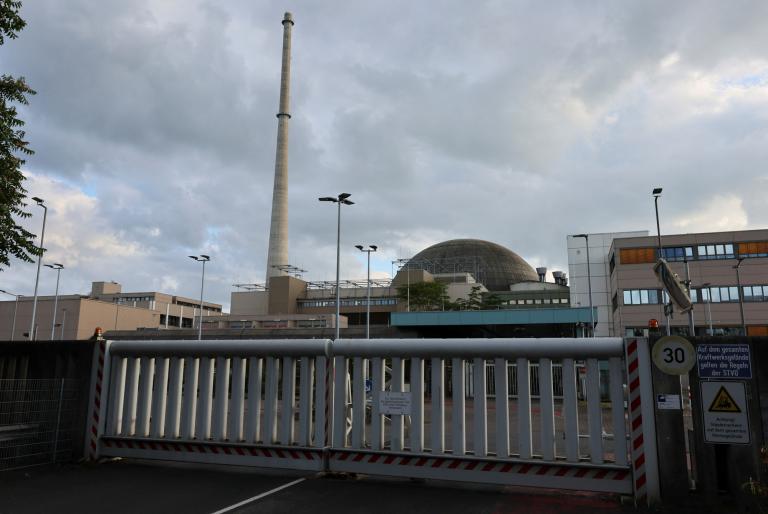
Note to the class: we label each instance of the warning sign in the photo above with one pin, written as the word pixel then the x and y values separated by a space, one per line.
pixel 725 412
pixel 723 402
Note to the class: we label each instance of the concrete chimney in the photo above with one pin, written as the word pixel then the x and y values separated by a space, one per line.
pixel 277 254
pixel 542 272
pixel 558 276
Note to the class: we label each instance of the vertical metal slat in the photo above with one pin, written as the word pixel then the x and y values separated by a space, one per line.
pixel 377 420
pixel 547 407
pixel 437 439
pixel 305 400
pixel 502 408
pixel 253 410
pixel 524 442
pixel 570 410
pixel 237 403
pixel 398 385
pixel 189 409
pixel 204 401
pixel 221 402
pixel 358 402
pixel 457 412
pixel 159 398
pixel 594 412
pixel 417 404
pixel 480 407
pixel 617 411
pixel 270 401
pixel 289 400
pixel 131 394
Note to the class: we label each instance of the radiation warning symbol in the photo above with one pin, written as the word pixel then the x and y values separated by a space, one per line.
pixel 724 402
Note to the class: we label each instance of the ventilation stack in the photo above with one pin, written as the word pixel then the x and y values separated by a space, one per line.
pixel 542 272
pixel 277 254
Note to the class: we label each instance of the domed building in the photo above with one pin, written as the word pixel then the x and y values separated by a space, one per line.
pixel 491 264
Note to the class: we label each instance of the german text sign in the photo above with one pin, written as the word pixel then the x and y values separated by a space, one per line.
pixel 725 412
pixel 724 361
pixel 392 403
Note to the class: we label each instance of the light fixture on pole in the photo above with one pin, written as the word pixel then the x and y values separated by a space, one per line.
pixel 58 267
pixel 741 296
pixel 656 194
pixel 201 258
pixel 15 309
pixel 341 199
pixel 39 202
pixel 589 284
pixel 371 248
pixel 63 323
pixel 705 287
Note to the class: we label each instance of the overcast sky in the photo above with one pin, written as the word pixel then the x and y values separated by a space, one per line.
pixel 517 122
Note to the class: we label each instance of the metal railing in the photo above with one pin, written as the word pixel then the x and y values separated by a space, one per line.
pixel 38 421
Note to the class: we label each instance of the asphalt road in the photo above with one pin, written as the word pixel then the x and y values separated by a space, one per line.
pixel 123 486
pixel 139 487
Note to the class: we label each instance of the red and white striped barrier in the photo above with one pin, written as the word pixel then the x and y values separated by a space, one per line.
pixel 100 369
pixel 611 479
pixel 642 426
pixel 215 453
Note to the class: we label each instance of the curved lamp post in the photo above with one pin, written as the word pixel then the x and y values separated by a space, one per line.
pixel 201 258
pixel 41 203
pixel 371 248
pixel 342 198
pixel 58 267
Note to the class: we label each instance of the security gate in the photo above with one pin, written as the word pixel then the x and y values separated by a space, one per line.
pixel 366 406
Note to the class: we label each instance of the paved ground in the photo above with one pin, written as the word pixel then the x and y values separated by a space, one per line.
pixel 123 486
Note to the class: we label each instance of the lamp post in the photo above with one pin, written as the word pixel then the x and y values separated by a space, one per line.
pixel 201 258
pixel 58 267
pixel 39 202
pixel 656 194
pixel 342 198
pixel 706 285
pixel 741 296
pixel 371 248
pixel 63 323
pixel 589 284
pixel 15 308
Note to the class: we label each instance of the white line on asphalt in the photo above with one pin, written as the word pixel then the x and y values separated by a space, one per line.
pixel 260 496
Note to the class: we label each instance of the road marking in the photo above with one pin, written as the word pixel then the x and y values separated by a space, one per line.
pixel 260 496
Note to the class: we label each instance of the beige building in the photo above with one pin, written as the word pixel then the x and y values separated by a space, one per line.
pixel 719 293
pixel 107 307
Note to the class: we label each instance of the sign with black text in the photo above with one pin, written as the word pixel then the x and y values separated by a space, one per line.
pixel 728 361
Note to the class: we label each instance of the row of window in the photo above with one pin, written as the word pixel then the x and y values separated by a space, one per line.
pixel 715 294
pixel 348 302
pixel 648 255
pixel 535 301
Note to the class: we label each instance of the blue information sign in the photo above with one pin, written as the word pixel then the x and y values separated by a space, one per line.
pixel 724 361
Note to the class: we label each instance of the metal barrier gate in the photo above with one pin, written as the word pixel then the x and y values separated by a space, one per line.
pixel 380 407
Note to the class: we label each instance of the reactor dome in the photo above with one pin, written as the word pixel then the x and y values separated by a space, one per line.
pixel 492 265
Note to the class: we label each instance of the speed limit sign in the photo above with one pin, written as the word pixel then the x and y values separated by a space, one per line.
pixel 674 355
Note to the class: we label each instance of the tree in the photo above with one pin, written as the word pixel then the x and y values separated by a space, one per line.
pixel 14 239
pixel 425 296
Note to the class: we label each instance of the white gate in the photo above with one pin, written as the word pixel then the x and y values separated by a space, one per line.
pixel 277 403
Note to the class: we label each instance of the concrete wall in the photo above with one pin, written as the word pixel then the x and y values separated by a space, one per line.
pixel 599 255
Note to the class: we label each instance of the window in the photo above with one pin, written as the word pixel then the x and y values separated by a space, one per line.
pixel 615 301
pixel 679 253
pixel 755 293
pixel 756 249
pixel 637 255
pixel 719 294
pixel 612 262
pixel 716 251
pixel 641 296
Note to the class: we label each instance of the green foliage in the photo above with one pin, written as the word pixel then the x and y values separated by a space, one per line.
pixel 424 296
pixel 14 239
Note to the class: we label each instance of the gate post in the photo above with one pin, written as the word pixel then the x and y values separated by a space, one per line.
pixel 645 462
pixel 97 402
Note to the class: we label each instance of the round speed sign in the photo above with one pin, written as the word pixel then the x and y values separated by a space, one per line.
pixel 674 355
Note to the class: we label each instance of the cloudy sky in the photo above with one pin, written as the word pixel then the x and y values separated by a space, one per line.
pixel 518 122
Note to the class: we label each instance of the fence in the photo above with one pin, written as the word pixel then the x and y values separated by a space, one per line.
pixel 38 421
pixel 305 405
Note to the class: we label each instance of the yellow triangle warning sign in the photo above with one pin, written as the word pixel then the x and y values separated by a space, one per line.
pixel 724 402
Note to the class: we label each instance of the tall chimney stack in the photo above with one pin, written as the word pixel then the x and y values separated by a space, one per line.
pixel 278 229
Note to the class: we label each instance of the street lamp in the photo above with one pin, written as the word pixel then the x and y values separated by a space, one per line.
pixel 341 199
pixel 201 258
pixel 58 267
pixel 371 248
pixel 15 308
pixel 656 194
pixel 589 284
pixel 741 296
pixel 705 286
pixel 39 202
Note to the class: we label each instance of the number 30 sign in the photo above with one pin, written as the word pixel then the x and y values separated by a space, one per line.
pixel 674 355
